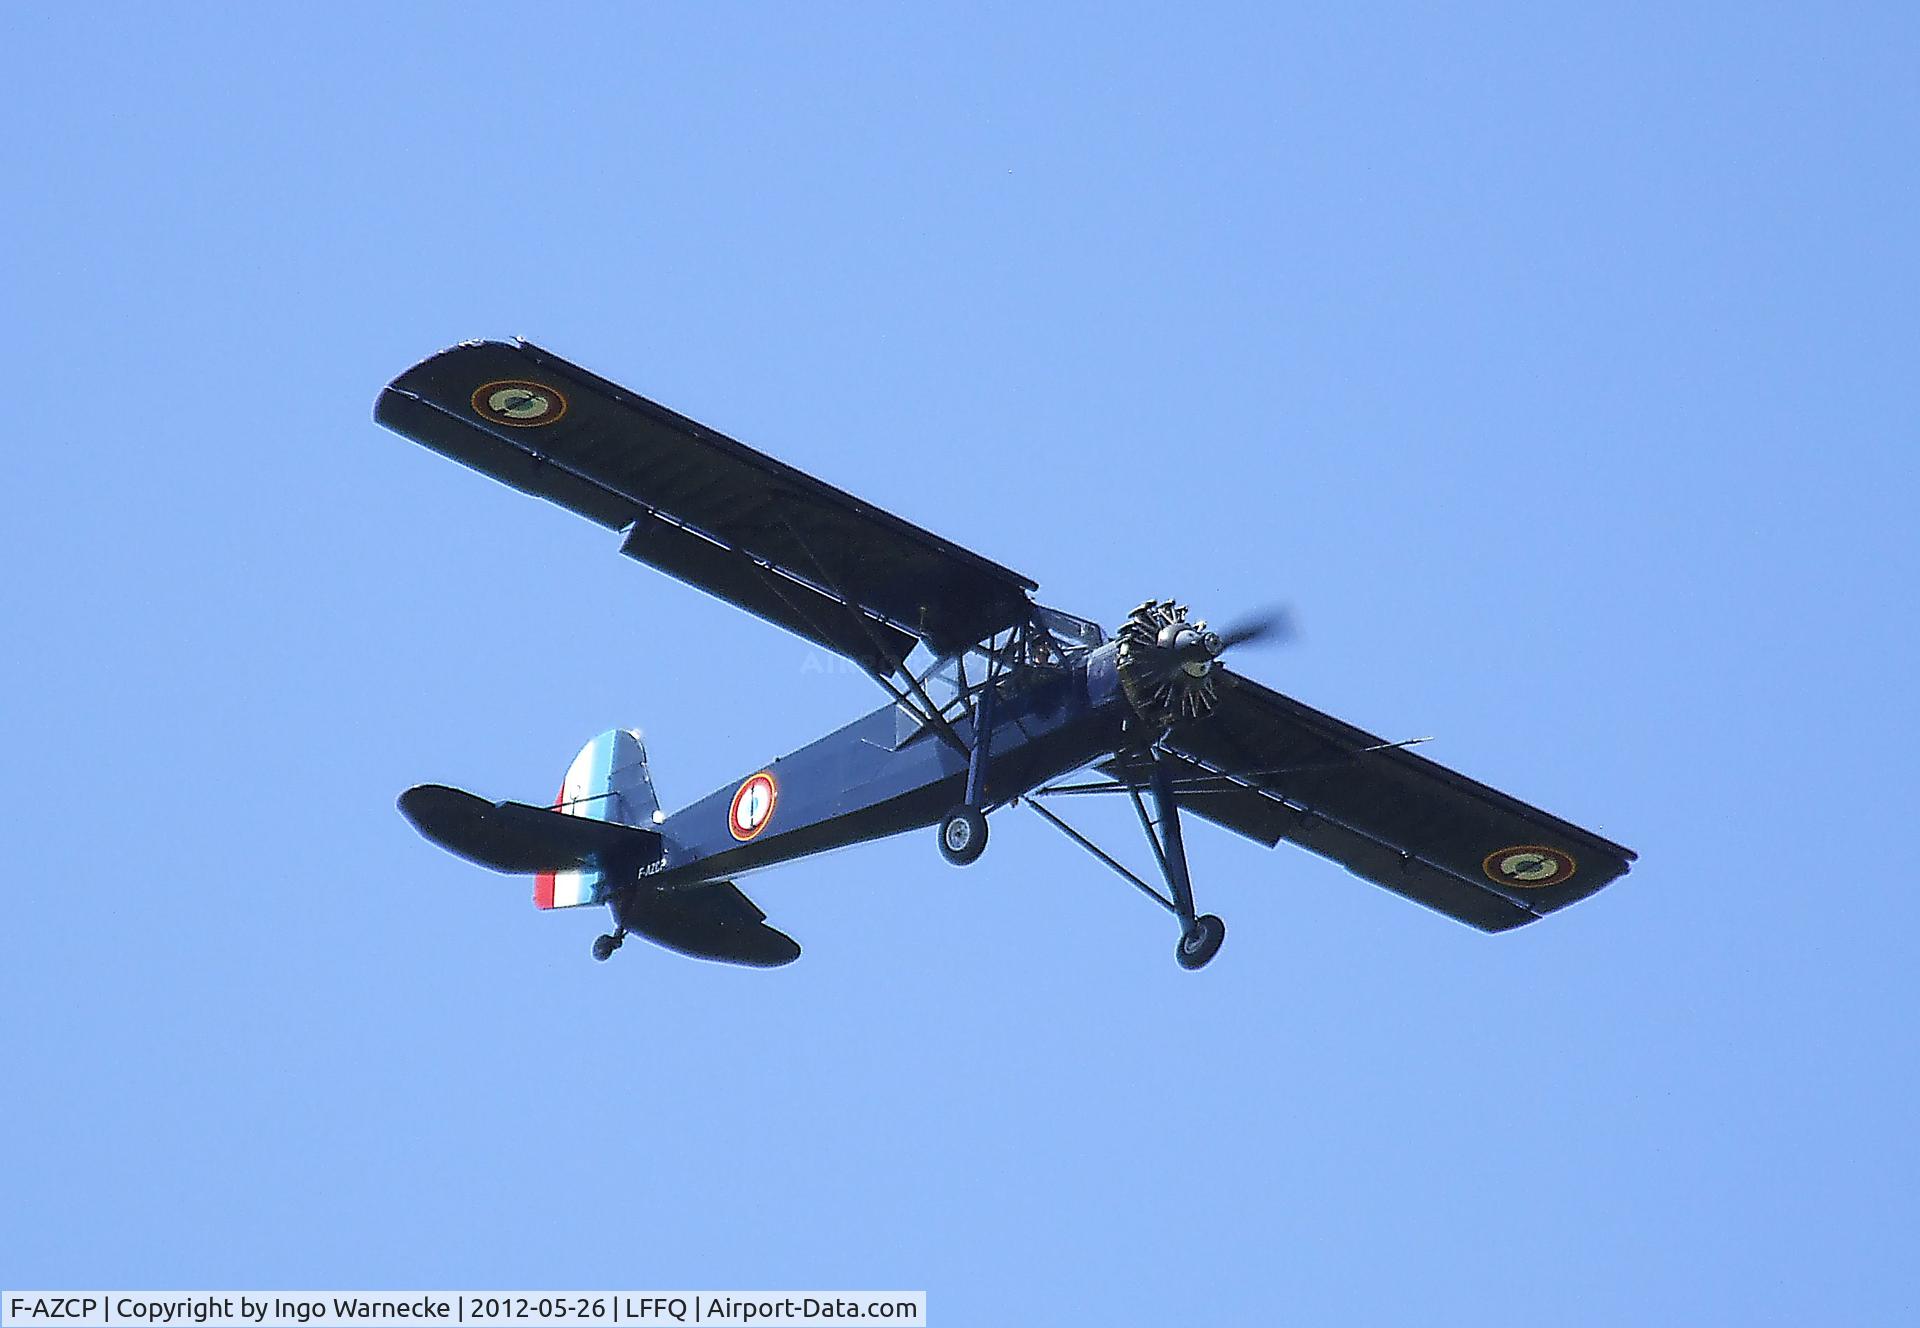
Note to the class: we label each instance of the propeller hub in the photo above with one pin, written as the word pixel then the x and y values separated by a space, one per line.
pixel 1192 642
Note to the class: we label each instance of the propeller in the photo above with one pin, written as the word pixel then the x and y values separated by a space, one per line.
pixel 1275 626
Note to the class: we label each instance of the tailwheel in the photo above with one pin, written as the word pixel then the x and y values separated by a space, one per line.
pixel 604 946
pixel 1201 942
pixel 963 835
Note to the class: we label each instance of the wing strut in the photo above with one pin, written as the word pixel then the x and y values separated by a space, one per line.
pixel 931 711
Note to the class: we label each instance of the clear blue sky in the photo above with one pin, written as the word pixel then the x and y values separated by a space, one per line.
pixel 1559 371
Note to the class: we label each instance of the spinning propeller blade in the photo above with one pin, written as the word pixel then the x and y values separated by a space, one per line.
pixel 1275 626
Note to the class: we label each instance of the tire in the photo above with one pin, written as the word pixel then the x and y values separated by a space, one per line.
pixel 603 947
pixel 963 835
pixel 1202 943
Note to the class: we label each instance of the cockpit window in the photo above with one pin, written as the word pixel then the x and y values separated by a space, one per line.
pixel 1072 633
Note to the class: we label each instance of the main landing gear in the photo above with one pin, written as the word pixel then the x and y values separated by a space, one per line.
pixel 1202 943
pixel 604 946
pixel 1200 937
pixel 963 835
pixel 963 831
pixel 1200 934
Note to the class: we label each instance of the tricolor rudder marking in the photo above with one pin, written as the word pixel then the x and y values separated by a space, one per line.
pixel 608 781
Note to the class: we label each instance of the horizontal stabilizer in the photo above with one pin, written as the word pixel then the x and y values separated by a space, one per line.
pixel 713 921
pixel 518 838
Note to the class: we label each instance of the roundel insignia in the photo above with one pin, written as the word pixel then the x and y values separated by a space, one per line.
pixel 752 806
pixel 519 403
pixel 1529 866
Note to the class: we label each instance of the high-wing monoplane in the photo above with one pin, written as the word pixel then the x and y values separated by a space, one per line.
pixel 992 700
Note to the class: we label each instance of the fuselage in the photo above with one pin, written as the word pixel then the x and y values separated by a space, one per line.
pixel 888 772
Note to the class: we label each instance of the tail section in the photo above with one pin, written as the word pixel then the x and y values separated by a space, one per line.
pixel 608 781
pixel 597 839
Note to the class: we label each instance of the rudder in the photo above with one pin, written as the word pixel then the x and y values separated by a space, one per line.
pixel 608 781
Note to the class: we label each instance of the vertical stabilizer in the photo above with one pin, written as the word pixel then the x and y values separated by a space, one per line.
pixel 608 781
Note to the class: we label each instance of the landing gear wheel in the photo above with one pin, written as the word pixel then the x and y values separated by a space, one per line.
pixel 963 835
pixel 604 946
pixel 1202 943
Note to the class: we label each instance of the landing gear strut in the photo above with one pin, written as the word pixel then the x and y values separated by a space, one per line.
pixel 963 831
pixel 1201 934
pixel 1200 937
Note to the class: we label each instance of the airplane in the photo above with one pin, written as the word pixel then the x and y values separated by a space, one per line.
pixel 993 700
